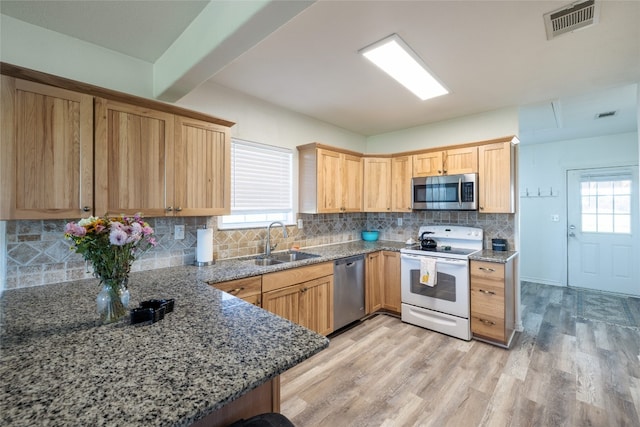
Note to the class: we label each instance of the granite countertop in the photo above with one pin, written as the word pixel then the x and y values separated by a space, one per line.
pixel 493 256
pixel 59 367
pixel 239 268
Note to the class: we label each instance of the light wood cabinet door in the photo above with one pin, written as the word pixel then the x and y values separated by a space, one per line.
pixel 284 302
pixel 134 155
pixel 316 305
pixel 428 164
pixel 391 281
pixel 201 168
pixel 401 174
pixel 373 282
pixel 351 183
pixel 461 160
pixel 329 176
pixel 377 184
pixel 46 152
pixel 496 178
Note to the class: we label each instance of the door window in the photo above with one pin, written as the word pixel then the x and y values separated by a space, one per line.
pixel 606 204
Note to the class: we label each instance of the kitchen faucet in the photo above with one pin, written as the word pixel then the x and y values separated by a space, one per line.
pixel 268 248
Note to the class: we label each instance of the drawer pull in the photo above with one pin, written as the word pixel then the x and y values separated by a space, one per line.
pixel 490 270
pixel 303 290
pixel 487 322
pixel 486 292
pixel 236 290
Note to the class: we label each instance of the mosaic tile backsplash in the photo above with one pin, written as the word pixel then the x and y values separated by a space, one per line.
pixel 38 254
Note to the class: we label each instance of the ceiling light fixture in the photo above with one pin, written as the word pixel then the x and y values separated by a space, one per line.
pixel 398 60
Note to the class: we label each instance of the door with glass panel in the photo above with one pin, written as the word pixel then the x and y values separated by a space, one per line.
pixel 603 229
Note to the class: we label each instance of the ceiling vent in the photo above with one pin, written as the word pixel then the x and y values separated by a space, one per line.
pixel 571 17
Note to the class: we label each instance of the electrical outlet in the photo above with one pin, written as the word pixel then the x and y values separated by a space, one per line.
pixel 555 217
pixel 178 232
pixel 399 222
pixel 300 224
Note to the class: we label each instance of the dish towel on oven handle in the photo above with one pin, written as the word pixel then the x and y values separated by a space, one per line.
pixel 428 271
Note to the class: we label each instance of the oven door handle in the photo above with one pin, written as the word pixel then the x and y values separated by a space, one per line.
pixel 439 260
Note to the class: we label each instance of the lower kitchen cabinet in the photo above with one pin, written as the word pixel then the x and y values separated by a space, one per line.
pixel 303 295
pixel 382 276
pixel 492 301
pixel 249 289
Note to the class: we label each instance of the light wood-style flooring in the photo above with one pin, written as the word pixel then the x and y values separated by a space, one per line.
pixel 576 363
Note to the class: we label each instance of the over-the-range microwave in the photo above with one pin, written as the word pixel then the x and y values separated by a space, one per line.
pixel 446 192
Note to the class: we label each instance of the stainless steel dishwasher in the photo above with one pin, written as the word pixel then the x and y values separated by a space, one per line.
pixel 348 291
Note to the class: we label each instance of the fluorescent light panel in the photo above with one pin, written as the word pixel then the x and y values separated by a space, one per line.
pixel 397 59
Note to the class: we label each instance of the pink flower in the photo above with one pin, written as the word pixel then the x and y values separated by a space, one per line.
pixel 152 241
pixel 99 228
pixel 118 237
pixel 74 229
pixel 146 230
pixel 115 225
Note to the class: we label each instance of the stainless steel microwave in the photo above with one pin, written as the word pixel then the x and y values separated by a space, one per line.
pixel 446 192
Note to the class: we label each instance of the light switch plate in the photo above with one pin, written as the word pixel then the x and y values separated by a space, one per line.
pixel 399 222
pixel 178 232
pixel 300 224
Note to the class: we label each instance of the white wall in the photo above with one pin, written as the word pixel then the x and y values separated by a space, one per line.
pixel 43 50
pixel 543 249
pixel 477 127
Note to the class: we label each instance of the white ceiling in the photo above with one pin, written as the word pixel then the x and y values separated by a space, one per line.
pixel 490 54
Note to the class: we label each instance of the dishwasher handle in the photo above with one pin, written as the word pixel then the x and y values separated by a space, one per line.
pixel 349 261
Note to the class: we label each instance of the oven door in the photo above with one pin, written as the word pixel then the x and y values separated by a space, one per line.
pixel 451 293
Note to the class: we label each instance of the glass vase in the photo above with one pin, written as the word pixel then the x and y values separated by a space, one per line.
pixel 113 300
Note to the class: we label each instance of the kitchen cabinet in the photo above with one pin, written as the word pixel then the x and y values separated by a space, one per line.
pixel 330 180
pixel 492 301
pixel 303 295
pixel 377 184
pixel 46 152
pixel 446 162
pixel 391 281
pixel 496 178
pixel 401 174
pixel 373 282
pixel 382 280
pixel 248 289
pixel 159 164
pixel 202 168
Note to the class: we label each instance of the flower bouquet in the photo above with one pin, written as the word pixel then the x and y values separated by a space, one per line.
pixel 111 245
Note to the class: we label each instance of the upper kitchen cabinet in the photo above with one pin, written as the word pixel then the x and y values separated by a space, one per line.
pixel 46 152
pixel 202 168
pixel 377 184
pixel 496 175
pixel 447 162
pixel 134 152
pixel 159 164
pixel 330 180
pixel 401 174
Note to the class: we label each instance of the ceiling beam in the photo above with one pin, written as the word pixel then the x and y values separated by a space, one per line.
pixel 220 33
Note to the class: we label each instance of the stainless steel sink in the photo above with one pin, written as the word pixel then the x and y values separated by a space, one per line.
pixel 282 257
pixel 267 261
pixel 293 256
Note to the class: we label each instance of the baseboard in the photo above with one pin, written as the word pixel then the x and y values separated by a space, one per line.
pixel 541 281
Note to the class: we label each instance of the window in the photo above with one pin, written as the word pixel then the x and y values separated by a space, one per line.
pixel 606 204
pixel 260 185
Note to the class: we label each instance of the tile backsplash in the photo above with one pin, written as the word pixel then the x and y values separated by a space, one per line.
pixel 38 254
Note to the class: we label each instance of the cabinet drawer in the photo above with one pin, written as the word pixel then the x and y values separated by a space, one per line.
pixel 282 279
pixel 241 288
pixel 254 299
pixel 489 270
pixel 488 327
pixel 487 300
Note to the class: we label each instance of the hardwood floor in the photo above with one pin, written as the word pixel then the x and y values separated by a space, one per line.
pixel 576 363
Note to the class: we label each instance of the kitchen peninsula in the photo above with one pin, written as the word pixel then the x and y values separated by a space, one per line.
pixel 59 367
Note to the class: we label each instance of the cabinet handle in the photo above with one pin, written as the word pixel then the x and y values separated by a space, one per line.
pixel 86 209
pixel 445 171
pixel 481 207
pixel 439 171
pixel 169 209
pixel 303 290
pixel 257 303
pixel 178 209
pixel 487 322
pixel 490 270
pixel 235 291
pixel 486 292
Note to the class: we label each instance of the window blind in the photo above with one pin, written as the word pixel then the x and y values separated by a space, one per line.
pixel 260 178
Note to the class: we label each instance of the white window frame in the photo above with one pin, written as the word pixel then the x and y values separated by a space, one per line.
pixel 254 217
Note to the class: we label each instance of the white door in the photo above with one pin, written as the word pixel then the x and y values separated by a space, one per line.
pixel 603 229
